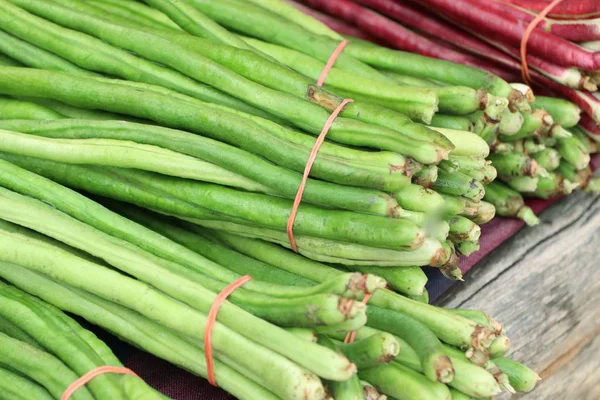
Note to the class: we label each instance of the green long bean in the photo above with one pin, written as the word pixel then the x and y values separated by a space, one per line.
pixel 40 366
pixel 17 109
pixel 298 111
pixel 102 281
pixel 229 157
pixel 16 387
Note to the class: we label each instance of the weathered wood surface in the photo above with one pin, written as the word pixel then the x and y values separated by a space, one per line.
pixel 544 285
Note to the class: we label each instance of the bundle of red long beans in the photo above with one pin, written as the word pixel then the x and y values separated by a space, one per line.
pixel 563 51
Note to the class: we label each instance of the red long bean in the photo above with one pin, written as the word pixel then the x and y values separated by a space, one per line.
pixel 574 30
pixel 412 16
pixel 392 33
pixel 495 26
pixel 568 9
pixel 334 23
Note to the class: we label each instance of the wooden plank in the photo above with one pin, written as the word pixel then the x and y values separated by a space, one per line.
pixel 544 285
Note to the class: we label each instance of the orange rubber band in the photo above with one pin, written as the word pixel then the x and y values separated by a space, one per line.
pixel 532 25
pixel 210 324
pixel 317 145
pixel 336 53
pixel 351 335
pixel 87 378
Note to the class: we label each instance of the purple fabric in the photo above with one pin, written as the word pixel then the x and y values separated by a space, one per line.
pixel 181 385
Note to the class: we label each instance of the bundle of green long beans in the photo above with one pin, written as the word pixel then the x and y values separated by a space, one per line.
pixel 151 280
pixel 186 144
pixel 44 351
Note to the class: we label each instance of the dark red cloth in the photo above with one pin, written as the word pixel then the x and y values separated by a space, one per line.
pixel 181 385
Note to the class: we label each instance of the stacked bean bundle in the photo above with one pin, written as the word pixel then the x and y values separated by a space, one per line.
pixel 164 109
pixel 44 351
pixel 539 151
pixel 252 108
pixel 151 281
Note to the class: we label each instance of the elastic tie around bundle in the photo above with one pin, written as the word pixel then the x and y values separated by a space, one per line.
pixel 532 25
pixel 317 145
pixel 87 378
pixel 351 335
pixel 210 324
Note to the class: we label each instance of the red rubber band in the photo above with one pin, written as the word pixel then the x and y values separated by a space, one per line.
pixel 87 378
pixel 351 335
pixel 210 324
pixel 532 25
pixel 336 53
pixel 317 145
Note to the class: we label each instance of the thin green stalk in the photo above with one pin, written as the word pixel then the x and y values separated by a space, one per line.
pixel 80 113
pixel 291 13
pixel 127 9
pixel 433 69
